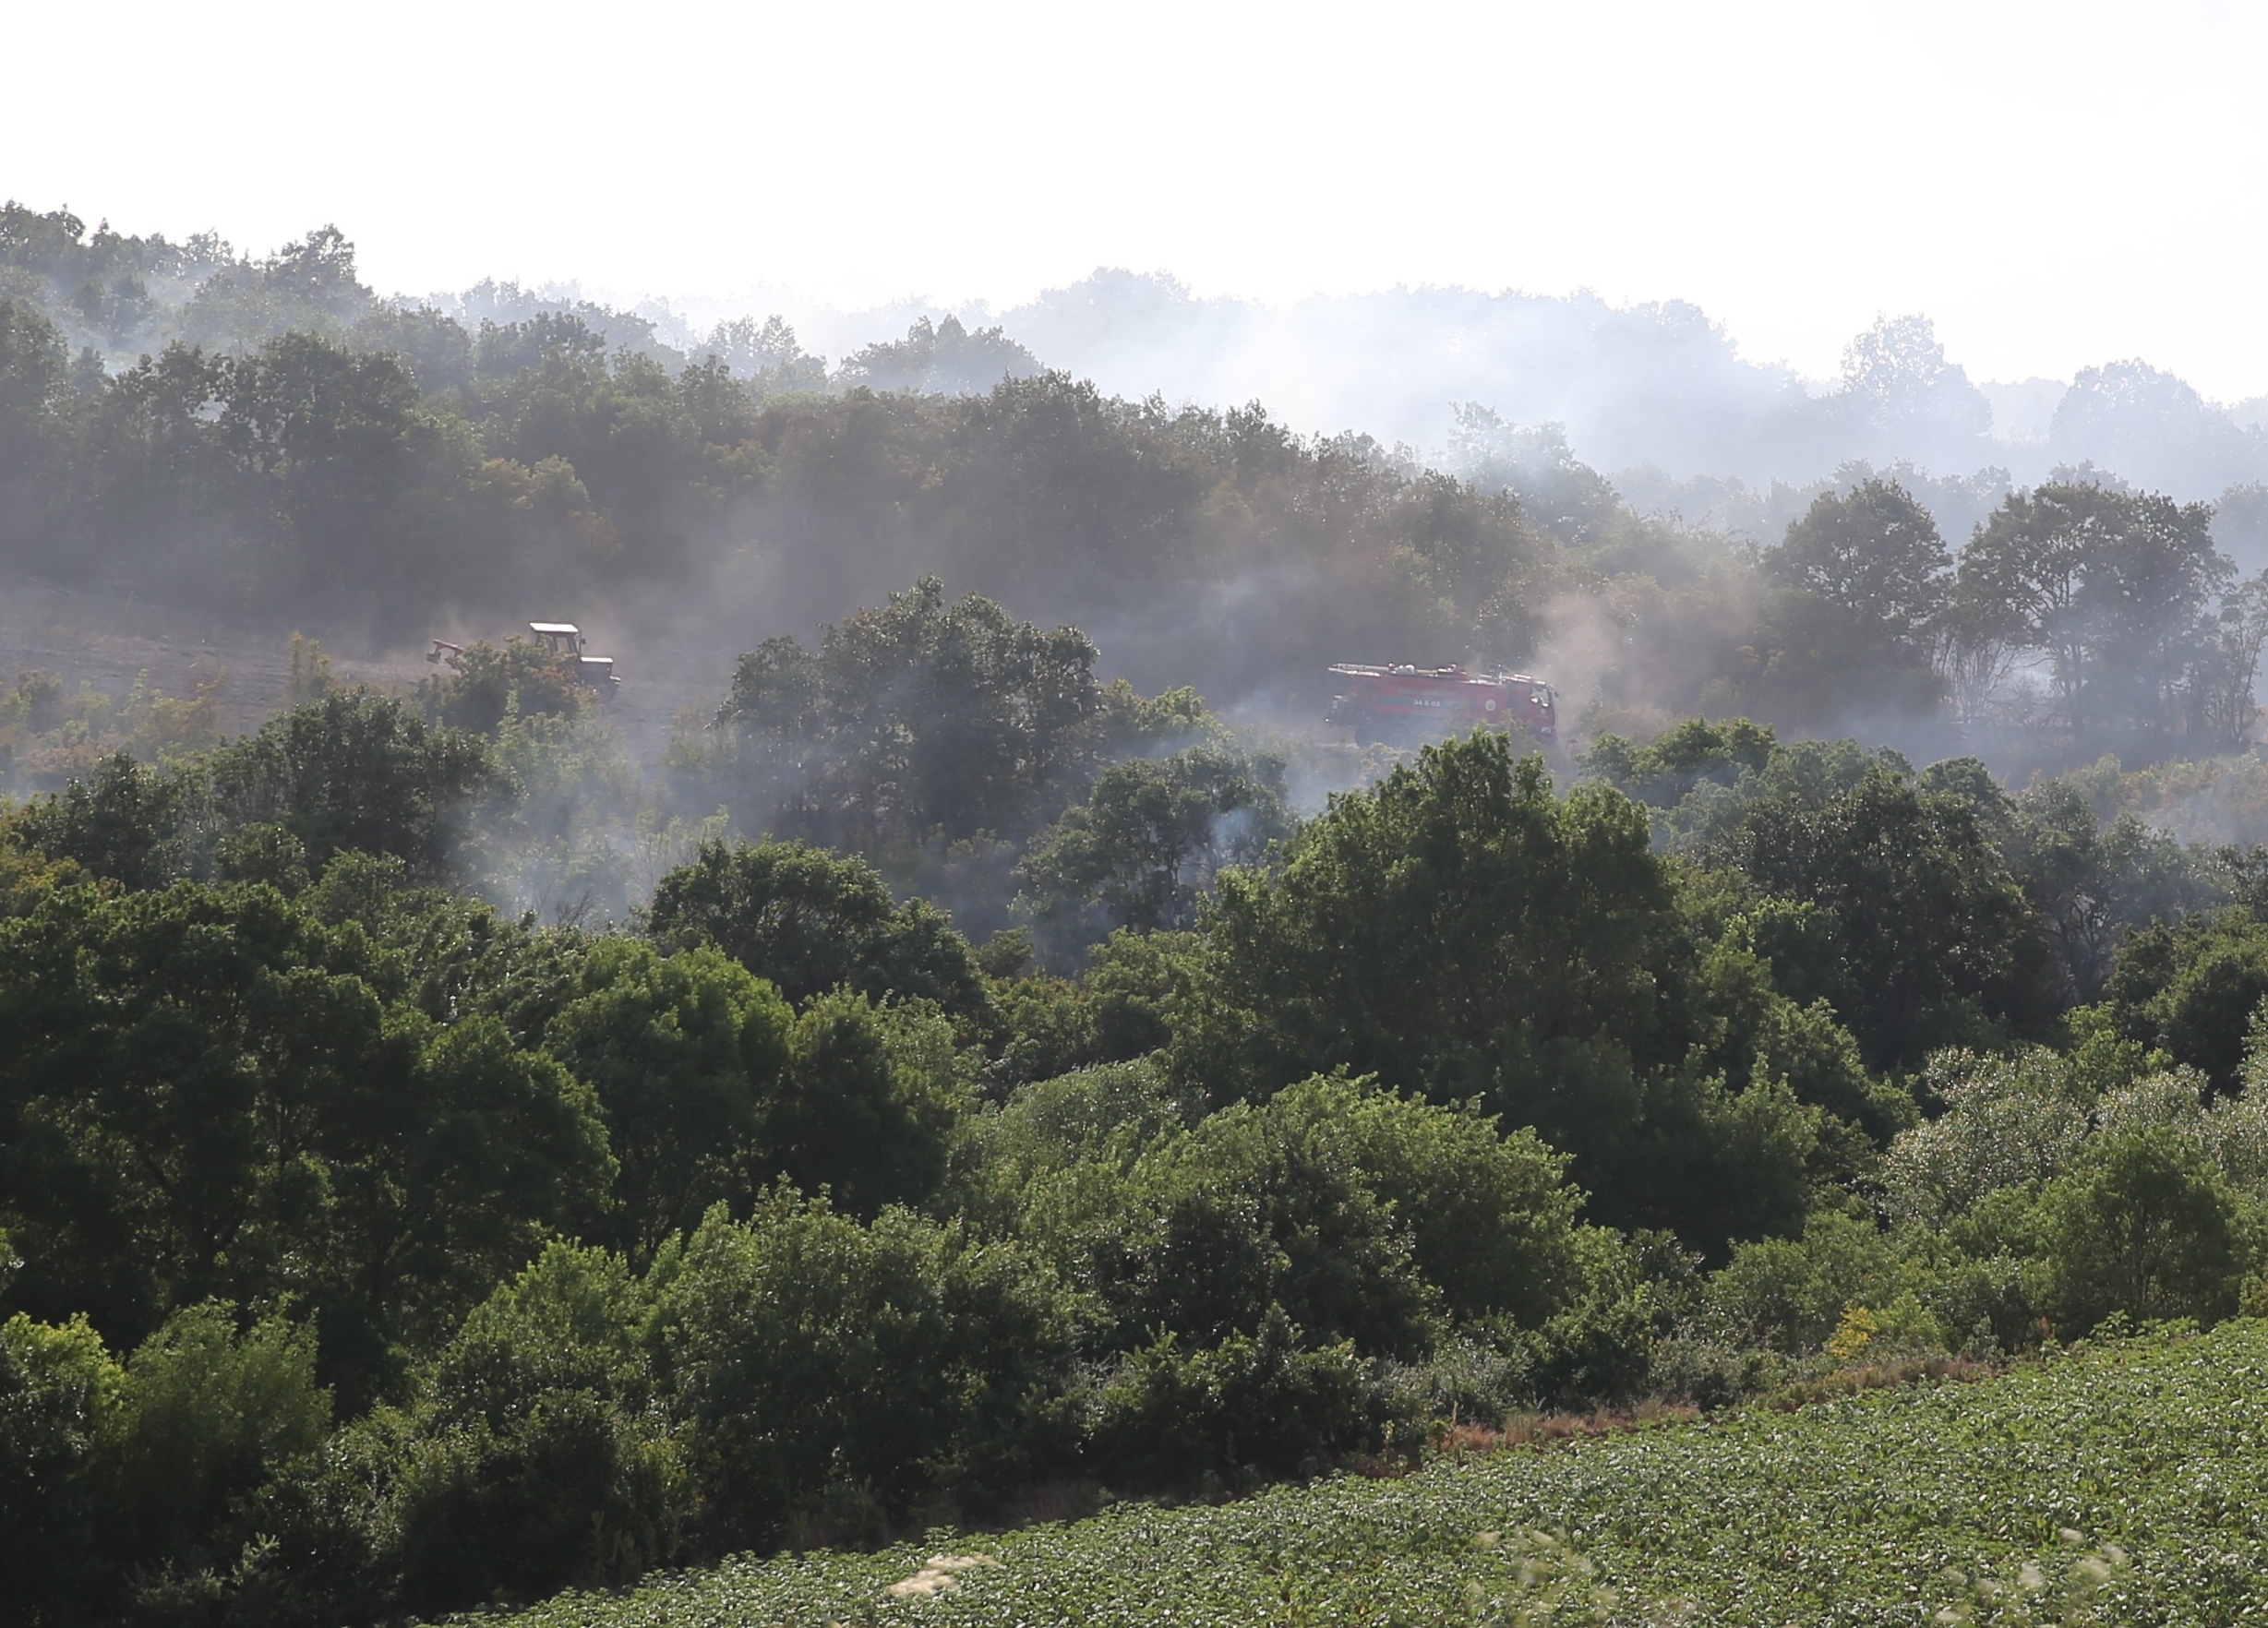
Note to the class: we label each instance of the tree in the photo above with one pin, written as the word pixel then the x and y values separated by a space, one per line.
pixel 1863 582
pixel 2090 887
pixel 204 1092
pixel 685 1054
pixel 1930 932
pixel 488 683
pixel 2222 707
pixel 433 348
pixel 503 350
pixel 1569 498
pixel 869 1101
pixel 823 1365
pixel 2110 587
pixel 766 356
pixel 1491 1219
pixel 207 1419
pixel 32 359
pixel 58 1388
pixel 536 1457
pixel 1453 921
pixel 809 921
pixel 2154 428
pixel 357 770
pixel 1462 933
pixel 1873 556
pixel 2190 990
pixel 1897 372
pixel 32 377
pixel 942 356
pixel 918 720
pixel 154 469
pixel 132 824
pixel 2144 1225
pixel 1146 847
pixel 330 448
pixel 1663 772
pixel 307 285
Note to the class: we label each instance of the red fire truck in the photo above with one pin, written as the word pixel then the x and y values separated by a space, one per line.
pixel 1404 703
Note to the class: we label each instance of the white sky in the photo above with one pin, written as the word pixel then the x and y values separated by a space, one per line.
pixel 2056 184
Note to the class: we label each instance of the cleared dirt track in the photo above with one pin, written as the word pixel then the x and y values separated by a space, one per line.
pixel 106 641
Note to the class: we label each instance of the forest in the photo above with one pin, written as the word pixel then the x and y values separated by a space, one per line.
pixel 999 1057
pixel 285 446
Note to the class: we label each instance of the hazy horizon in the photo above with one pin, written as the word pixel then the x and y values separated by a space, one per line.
pixel 2055 187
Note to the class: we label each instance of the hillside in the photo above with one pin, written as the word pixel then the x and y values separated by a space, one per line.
pixel 107 641
pixel 2117 1482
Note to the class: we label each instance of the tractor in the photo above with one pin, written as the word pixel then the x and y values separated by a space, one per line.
pixel 562 640
pixel 565 639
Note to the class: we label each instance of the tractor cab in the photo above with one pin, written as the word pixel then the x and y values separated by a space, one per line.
pixel 565 640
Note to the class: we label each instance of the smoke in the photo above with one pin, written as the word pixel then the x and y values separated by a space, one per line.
pixel 1640 436
pixel 1654 394
pixel 1583 656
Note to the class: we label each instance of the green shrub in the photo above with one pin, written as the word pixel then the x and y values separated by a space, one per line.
pixel 2142 1224
pixel 1256 1404
pixel 210 1429
pixel 1788 1295
pixel 816 1359
pixel 539 1456
pixel 488 683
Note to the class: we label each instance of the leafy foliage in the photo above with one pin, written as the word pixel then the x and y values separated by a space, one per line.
pixel 2105 1485
pixel 809 922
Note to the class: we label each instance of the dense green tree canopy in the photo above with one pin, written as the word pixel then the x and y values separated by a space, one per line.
pixel 209 1092
pixel 438 1167
pixel 917 719
pixel 809 922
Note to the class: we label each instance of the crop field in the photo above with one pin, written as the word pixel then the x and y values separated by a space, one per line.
pixel 2117 1483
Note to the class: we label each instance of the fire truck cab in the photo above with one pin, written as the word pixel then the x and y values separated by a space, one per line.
pixel 1404 704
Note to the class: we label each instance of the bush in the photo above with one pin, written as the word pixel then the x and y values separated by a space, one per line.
pixel 823 1365
pixel 1788 1295
pixel 209 1430
pixel 1491 1220
pixel 567 1493
pixel 1261 1210
pixel 2007 1121
pixel 488 683
pixel 539 1456
pixel 1254 1404
pixel 2143 1225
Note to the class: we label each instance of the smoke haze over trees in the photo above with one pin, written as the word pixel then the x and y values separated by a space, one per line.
pixel 265 435
pixel 995 1044
pixel 1655 386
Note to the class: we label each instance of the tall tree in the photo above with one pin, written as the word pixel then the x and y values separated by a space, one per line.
pixel 1874 555
pixel 1863 580
pixel 2110 587
pixel 918 720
